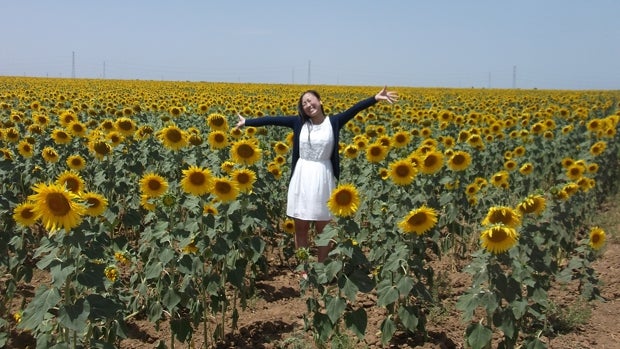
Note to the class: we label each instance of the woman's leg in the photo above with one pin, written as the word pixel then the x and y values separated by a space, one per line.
pixel 323 251
pixel 301 233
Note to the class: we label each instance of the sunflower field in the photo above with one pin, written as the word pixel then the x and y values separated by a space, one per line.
pixel 141 198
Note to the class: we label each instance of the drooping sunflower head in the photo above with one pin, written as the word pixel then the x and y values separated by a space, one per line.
pixel 225 189
pixel 402 172
pixel 209 209
pixel 597 238
pixel 173 137
pixel 217 122
pixel 419 220
pixel 99 148
pixel 56 207
pixel 598 148
pixel 533 204
pixel 500 179
pixel 344 200
pixel 196 181
pixel 502 215
pixel 526 168
pixel 245 179
pixel 49 154
pixel 499 238
pixel 95 203
pixel 153 185
pixel 245 152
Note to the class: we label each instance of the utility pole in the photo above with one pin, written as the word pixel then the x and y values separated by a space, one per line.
pixel 73 64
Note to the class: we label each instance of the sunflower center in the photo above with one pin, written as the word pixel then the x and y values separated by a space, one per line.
pixel 219 138
pixel 197 178
pixel 498 235
pixel 154 185
pixel 27 213
pixel 243 178
pixel 458 159
pixel 417 219
pixel 93 202
pixel 402 171
pixel 223 187
pixel 101 148
pixel 596 238
pixel 58 204
pixel 245 151
pixel 125 125
pixel 72 184
pixel 344 197
pixel 217 121
pixel 430 161
pixel 174 136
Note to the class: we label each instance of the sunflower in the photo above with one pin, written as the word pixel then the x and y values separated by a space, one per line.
pixel 575 171
pixel 190 248
pixel 67 117
pixel 217 122
pixel 153 185
pixel 111 273
pixel 72 181
pixel 61 136
pixel 245 152
pixel 24 214
pixel 281 148
pixel 50 154
pixel 236 133
pixel 402 172
pixel 502 215
pixel 526 168
pixel 275 170
pixel 419 220
pixel 500 178
pixel 401 139
pixel 597 238
pixel 459 161
pixel 431 162
pixel 472 189
pixel 499 238
pixel 173 137
pixel 289 226
pixel 147 203
pixel 115 138
pixel 598 148
pixel 126 126
pixel 209 209
pixel 76 162
pixel 510 165
pixel 245 179
pixel 217 139
pixel 77 129
pixel 351 151
pixel 344 200
pixel 96 203
pixel 384 173
pixel 99 148
pixel 56 207
pixel 227 166
pixel 226 190
pixel 25 149
pixel 376 152
pixel 196 180
pixel 534 204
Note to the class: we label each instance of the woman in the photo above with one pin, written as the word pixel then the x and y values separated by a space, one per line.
pixel 315 164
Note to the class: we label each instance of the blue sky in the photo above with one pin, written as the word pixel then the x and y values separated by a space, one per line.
pixel 546 44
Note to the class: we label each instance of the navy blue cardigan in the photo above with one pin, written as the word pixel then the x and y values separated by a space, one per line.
pixel 295 122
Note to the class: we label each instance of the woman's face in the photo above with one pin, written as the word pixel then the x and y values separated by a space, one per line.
pixel 311 105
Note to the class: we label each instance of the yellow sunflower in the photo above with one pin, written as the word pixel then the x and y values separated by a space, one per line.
pixel 126 126
pixel 499 238
pixel 49 154
pixel 96 203
pixel 209 209
pixel 76 162
pixel 597 238
pixel 500 179
pixel 25 149
pixel 153 185
pixel 217 122
pixel 77 129
pixel 289 226
pixel 502 215
pixel 99 148
pixel 217 139
pixel 24 214
pixel 245 152
pixel 402 172
pixel 281 148
pixel 533 204
pixel 575 171
pixel 344 200
pixel 526 168
pixel 173 137
pixel 227 166
pixel 147 203
pixel 376 152
pixel 419 220
pixel 245 179
pixel 351 151
pixel 61 136
pixel 196 180
pixel 459 161
pixel 401 139
pixel 598 148
pixel 56 207
pixel 431 162
pixel 226 190
pixel 72 181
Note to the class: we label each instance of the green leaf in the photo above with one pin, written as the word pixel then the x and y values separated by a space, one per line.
pixel 357 321
pixel 468 303
pixel 171 299
pixel 478 336
pixel 535 343
pixel 323 326
pixel 153 271
pixel 387 294
pixel 407 315
pixel 34 314
pixel 388 328
pixel 103 308
pixel 335 307
pixel 182 329
pixel 75 316
pixel 404 285
pixel 362 281
pixel 350 290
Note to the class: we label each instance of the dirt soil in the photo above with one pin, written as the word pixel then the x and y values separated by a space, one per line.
pixel 274 318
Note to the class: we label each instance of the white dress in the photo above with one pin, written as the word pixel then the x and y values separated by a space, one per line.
pixel 313 178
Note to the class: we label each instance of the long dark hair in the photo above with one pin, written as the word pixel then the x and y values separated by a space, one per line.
pixel 300 108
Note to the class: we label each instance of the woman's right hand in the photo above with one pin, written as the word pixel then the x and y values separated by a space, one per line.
pixel 241 122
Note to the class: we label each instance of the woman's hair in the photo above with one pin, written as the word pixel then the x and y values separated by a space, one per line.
pixel 300 107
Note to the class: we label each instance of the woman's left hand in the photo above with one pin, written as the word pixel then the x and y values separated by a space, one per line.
pixel 385 95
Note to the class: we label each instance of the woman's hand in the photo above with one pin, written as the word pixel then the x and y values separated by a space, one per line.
pixel 241 122
pixel 385 95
